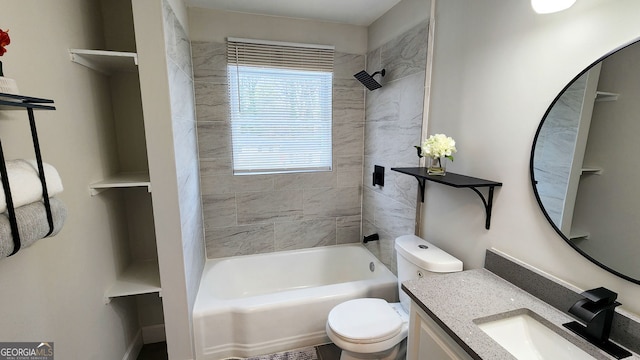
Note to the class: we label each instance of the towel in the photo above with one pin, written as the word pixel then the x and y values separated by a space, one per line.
pixel 32 224
pixel 25 183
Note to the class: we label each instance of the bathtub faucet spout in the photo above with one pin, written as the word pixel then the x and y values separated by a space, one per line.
pixel 372 237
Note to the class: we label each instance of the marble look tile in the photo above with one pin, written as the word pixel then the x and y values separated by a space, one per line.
pixel 312 180
pixel 368 205
pixel 239 240
pixel 227 184
pixel 406 54
pixel 181 94
pixel 212 101
pixel 383 249
pixel 374 63
pixel 269 206
pixel 290 235
pixel 219 210
pixel 349 170
pixel 348 229
pixel 183 48
pixel 395 218
pixel 216 166
pixel 331 202
pixel 347 65
pixel 348 94
pixel 210 62
pixel 348 138
pixel 214 139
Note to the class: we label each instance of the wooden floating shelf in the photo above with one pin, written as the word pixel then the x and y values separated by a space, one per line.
pixel 123 180
pixel 456 181
pixel 106 62
pixel 139 278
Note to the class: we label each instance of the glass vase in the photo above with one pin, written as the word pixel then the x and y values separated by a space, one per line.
pixel 436 166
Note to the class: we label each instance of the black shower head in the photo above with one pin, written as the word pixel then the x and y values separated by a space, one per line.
pixel 368 80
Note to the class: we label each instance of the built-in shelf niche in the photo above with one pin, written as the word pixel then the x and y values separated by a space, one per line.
pixel 106 62
pixel 142 277
pixel 123 180
pixel 606 96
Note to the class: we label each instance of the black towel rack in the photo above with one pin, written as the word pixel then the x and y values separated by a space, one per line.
pixel 16 102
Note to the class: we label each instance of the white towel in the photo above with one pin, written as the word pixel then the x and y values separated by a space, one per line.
pixel 25 183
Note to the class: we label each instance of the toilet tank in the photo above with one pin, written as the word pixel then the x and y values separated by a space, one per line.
pixel 417 258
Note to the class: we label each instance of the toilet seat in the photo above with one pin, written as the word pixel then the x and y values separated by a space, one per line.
pixel 364 321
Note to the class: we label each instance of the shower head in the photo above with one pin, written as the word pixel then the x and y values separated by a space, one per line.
pixel 368 80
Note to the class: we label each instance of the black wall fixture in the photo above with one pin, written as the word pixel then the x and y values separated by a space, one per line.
pixel 368 80
pixel 378 175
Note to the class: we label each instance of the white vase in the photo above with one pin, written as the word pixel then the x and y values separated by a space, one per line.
pixel 8 86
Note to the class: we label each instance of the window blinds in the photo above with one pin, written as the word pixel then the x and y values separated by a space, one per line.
pixel 281 106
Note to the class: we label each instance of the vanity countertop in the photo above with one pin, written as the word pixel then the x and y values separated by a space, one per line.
pixel 455 300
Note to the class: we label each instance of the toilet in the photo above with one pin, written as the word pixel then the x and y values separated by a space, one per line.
pixel 370 328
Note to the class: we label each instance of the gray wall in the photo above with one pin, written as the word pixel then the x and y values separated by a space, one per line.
pixel 393 126
pixel 263 213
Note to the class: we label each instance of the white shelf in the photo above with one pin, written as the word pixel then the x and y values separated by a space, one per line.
pixel 123 180
pixel 106 62
pixel 578 235
pixel 606 96
pixel 591 170
pixel 139 278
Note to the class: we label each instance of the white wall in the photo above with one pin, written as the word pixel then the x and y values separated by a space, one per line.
pixel 216 25
pixel 399 19
pixel 497 67
pixel 53 291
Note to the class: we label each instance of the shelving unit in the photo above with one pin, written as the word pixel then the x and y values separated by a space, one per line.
pixel 106 62
pixel 142 275
pixel 122 180
pixel 606 96
pixel 139 278
pixel 456 181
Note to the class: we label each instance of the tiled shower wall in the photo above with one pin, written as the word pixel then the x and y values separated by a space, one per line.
pixel 179 67
pixel 252 214
pixel 392 127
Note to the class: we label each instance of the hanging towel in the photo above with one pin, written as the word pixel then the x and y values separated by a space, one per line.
pixel 32 224
pixel 25 183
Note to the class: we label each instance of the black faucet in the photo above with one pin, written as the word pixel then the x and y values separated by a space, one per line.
pixel 596 310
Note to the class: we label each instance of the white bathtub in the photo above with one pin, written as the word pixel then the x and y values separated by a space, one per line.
pixel 261 304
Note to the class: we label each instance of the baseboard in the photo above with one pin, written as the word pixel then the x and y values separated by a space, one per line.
pixel 134 347
pixel 153 334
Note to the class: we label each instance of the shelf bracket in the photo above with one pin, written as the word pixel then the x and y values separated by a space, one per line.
pixel 488 204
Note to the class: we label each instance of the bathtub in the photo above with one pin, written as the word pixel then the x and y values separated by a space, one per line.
pixel 260 304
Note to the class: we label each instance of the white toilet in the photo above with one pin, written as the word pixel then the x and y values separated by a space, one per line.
pixel 373 328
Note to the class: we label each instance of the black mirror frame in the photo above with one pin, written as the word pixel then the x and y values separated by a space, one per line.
pixel 534 182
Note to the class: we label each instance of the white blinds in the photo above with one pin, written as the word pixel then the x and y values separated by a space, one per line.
pixel 280 105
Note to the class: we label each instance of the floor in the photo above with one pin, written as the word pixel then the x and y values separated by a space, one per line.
pixel 158 351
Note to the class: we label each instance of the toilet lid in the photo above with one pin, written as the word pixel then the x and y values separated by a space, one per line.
pixel 365 320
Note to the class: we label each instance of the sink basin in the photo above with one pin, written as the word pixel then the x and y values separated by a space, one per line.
pixel 525 337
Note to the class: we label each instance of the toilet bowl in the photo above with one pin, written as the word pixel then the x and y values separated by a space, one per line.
pixel 370 328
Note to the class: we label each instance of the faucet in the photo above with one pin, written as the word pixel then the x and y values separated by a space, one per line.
pixel 596 309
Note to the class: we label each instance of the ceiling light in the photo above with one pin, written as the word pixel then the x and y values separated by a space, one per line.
pixel 550 6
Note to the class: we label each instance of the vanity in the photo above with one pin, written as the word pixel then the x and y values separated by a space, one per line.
pixel 451 310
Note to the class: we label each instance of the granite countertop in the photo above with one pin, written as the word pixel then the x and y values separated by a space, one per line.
pixel 455 300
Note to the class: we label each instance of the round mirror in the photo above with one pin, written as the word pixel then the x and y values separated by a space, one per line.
pixel 583 170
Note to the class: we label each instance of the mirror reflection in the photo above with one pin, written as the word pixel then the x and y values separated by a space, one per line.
pixel 583 163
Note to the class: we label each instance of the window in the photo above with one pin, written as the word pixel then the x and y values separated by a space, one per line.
pixel 280 104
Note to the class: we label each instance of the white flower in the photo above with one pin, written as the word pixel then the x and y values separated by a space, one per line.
pixel 439 145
